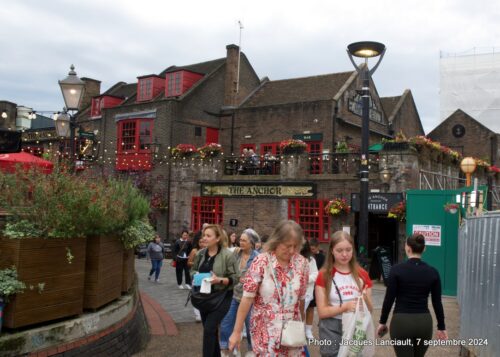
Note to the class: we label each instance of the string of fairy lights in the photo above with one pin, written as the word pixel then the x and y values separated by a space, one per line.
pixel 147 159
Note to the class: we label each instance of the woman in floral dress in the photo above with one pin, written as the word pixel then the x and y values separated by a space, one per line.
pixel 280 266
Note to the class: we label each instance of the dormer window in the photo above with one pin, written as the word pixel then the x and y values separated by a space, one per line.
pixel 148 87
pixel 178 82
pixel 102 102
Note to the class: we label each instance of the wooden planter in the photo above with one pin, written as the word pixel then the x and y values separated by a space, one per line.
pixel 103 271
pixel 128 273
pixel 44 261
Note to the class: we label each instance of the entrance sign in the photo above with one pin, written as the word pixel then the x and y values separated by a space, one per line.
pixel 258 189
pixel 377 202
pixel 432 234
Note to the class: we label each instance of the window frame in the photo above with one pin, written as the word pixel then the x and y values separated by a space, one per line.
pixel 145 89
pixel 296 208
pixel 206 209
pixel 137 135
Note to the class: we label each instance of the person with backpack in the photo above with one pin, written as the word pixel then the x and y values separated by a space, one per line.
pixel 156 253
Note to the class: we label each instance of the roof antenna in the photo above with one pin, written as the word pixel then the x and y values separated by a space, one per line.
pixel 239 57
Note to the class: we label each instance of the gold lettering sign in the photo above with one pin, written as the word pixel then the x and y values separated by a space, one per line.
pixel 257 190
pixel 39 135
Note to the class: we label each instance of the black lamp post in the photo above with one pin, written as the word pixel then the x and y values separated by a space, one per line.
pixel 72 89
pixel 365 49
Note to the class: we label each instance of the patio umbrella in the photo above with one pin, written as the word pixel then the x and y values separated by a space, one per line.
pixel 9 162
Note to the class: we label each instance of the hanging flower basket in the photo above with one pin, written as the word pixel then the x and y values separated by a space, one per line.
pixel 210 150
pixel 183 150
pixel 337 207
pixel 292 146
pixel 451 207
pixel 398 211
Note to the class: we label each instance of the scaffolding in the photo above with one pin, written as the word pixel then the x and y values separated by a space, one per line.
pixel 469 81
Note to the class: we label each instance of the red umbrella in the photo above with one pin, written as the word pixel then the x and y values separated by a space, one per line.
pixel 9 162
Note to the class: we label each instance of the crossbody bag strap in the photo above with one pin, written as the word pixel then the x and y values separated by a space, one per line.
pixel 338 291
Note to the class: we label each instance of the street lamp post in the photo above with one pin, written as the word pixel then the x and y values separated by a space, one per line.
pixel 365 49
pixel 72 89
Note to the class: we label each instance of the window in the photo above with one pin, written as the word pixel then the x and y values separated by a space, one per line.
pixel 197 131
pixel 134 135
pixel 206 210
pixel 315 154
pixel 174 83
pixel 272 151
pixel 311 215
pixel 145 90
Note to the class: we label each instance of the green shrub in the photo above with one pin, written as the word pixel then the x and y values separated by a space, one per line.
pixel 9 285
pixel 136 233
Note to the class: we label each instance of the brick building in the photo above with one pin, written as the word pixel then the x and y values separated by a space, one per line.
pixel 468 136
pixel 224 101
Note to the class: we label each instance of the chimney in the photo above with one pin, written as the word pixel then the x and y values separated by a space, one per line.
pixel 92 89
pixel 230 95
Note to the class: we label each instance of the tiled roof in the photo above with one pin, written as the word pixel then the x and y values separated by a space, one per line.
pixel 202 68
pixel 296 90
pixel 122 89
pixel 389 103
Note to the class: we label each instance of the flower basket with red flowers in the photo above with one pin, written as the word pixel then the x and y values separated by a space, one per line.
pixel 337 207
pixel 292 146
pixel 451 207
pixel 159 201
pixel 210 150
pixel 183 150
pixel 398 211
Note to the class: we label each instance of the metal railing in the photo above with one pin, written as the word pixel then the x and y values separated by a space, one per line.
pixel 317 164
pixel 429 180
pixel 479 284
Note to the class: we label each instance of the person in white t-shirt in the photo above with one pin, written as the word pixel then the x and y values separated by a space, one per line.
pixel 339 283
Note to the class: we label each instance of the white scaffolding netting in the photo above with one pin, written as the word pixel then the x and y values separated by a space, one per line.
pixel 471 81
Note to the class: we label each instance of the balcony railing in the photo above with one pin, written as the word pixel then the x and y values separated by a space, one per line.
pixel 317 164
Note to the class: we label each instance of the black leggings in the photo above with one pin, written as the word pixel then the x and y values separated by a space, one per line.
pixel 181 265
pixel 211 322
pixel 412 330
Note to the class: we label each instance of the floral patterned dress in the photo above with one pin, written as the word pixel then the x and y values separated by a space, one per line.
pixel 268 311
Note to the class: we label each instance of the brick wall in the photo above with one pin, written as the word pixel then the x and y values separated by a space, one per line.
pixel 477 140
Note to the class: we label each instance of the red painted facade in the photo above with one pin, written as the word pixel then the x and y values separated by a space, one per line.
pixel 102 102
pixel 148 87
pixel 177 83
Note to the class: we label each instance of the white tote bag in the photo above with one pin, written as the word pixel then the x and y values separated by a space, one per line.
pixel 358 329
pixel 293 334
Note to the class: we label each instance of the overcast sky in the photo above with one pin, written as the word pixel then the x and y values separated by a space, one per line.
pixel 119 40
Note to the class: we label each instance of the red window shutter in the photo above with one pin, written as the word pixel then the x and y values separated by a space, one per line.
pixel 212 136
pixel 206 210
pixel 311 215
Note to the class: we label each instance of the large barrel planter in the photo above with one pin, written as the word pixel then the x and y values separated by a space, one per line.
pixel 128 270
pixel 103 271
pixel 53 271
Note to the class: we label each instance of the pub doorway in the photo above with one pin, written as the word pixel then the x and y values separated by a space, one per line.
pixel 382 232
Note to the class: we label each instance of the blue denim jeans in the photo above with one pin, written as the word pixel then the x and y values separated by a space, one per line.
pixel 155 267
pixel 227 326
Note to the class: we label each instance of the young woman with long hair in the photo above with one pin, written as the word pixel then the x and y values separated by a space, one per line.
pixel 340 282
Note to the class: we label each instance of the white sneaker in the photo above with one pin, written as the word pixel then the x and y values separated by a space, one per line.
pixel 181 287
pixel 157 281
pixel 187 286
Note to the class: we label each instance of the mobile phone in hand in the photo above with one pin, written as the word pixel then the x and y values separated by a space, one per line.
pixel 383 331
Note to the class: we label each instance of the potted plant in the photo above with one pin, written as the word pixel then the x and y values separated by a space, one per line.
pixel 451 207
pixel 183 151
pixel 210 150
pixel 398 211
pixel 292 146
pixel 138 232
pixel 159 201
pixel 9 286
pixel 337 207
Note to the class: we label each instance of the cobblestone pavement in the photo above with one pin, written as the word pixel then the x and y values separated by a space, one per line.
pixel 189 340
